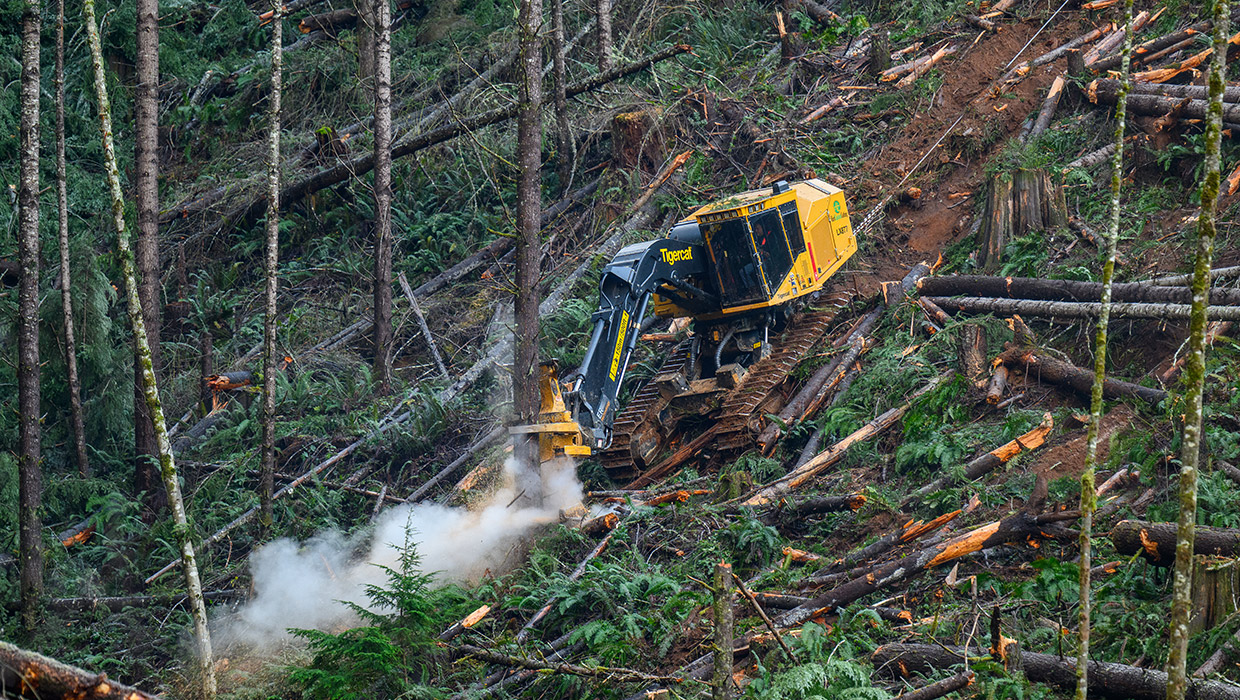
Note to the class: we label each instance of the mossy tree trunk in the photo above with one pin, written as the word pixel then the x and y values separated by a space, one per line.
pixel 271 265
pixel 62 227
pixel 206 664
pixel 383 196
pixel 30 474
pixel 1194 373
pixel 1089 501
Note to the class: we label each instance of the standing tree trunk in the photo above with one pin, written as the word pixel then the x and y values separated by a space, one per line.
pixel 604 35
pixel 383 196
pixel 266 484
pixel 30 475
pixel 146 144
pixel 1195 371
pixel 1089 501
pixel 66 293
pixel 365 33
pixel 566 151
pixel 529 251
pixel 189 564
pixel 722 681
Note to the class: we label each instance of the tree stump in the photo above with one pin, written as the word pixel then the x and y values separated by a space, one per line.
pixel 638 141
pixel 1019 204
pixel 880 53
pixel 1216 587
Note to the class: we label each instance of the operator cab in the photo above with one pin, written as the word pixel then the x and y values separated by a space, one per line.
pixel 753 254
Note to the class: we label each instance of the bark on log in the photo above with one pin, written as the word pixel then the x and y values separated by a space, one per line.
pixel 997 384
pixel 1049 105
pixel 1072 309
pixel 984 464
pixel 1106 680
pixel 1066 290
pixel 118 603
pixel 26 674
pixel 803 473
pixel 858 562
pixel 1116 39
pixel 1110 86
pixel 1156 105
pixel 1017 528
pixel 1229 469
pixel 1042 367
pixel 1229 651
pixel 330 22
pixel 1162 75
pixel 1181 280
pixel 1156 541
pixel 1141 53
pixel 610 673
pixel 1022 69
pixel 938 689
pixel 921 69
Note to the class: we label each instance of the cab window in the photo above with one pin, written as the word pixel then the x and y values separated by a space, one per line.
pixel 740 281
pixel 772 247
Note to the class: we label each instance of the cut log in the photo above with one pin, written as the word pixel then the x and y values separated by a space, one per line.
pixel 1065 290
pixel 1164 74
pixel 984 464
pixel 1156 541
pixel 859 561
pixel 1073 309
pixel 1229 469
pixel 802 474
pixel 1213 332
pixel 827 504
pixel 1115 39
pixel 1044 368
pixel 1216 274
pixel 26 674
pixel 329 22
pixel 118 603
pixel 766 620
pixel 972 353
pixel 1229 651
pixel 982 24
pixel 1143 53
pixel 938 689
pixel 1155 105
pixel 898 71
pixel 923 68
pixel 464 624
pixel 997 384
pixel 1106 680
pixel 1049 105
pixel 426 331
pixel 606 672
pixel 1109 87
pixel 1022 69
pixel 1018 528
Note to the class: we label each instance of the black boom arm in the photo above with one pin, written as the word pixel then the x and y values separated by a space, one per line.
pixel 624 292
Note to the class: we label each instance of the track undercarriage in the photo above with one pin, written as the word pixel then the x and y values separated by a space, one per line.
pixel 736 397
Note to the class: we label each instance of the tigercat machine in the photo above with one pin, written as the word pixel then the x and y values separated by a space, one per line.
pixel 739 269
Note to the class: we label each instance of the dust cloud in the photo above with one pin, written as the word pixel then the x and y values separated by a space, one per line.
pixel 307 584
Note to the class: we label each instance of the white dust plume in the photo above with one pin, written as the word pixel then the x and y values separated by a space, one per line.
pixel 305 584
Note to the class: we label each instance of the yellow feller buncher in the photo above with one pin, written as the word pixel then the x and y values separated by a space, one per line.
pixel 741 269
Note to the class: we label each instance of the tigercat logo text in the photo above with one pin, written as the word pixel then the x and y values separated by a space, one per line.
pixel 671 257
pixel 615 357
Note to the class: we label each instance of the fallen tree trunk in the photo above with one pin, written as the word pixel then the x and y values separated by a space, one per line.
pixel 988 462
pixel 1075 309
pixel 1046 368
pixel 469 453
pixel 609 673
pixel 1115 39
pixel 1142 53
pixel 1017 528
pixel 861 561
pixel 803 473
pixel 923 68
pixel 1110 87
pixel 1156 105
pixel 1166 73
pixel 1022 69
pixel 1107 680
pixel 940 688
pixel 294 192
pixel 1049 105
pixel 118 603
pixel 1156 541
pixel 26 674
pixel 1181 280
pixel 1065 290
pixel 329 22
